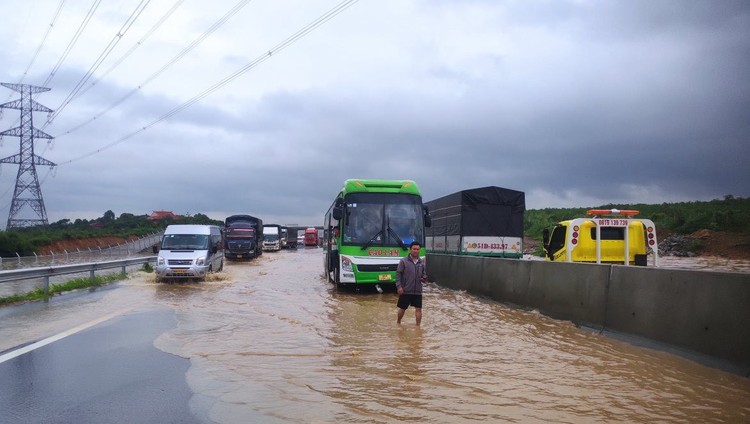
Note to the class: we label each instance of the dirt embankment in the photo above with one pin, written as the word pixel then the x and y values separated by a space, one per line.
pixel 62 246
pixel 721 244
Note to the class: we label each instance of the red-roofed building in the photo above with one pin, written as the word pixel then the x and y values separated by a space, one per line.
pixel 160 215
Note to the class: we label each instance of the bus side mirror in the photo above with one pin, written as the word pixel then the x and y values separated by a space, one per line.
pixel 338 209
pixel 337 213
pixel 427 217
pixel 545 239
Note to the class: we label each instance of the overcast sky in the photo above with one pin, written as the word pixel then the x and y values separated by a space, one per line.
pixel 576 103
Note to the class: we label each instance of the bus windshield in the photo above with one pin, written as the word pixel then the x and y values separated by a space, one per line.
pixel 383 219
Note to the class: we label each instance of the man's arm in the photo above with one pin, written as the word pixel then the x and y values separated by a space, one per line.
pixel 399 277
pixel 399 273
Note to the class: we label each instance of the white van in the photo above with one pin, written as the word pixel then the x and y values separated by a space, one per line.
pixel 189 251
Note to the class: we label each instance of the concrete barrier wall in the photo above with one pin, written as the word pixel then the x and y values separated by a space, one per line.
pixel 703 311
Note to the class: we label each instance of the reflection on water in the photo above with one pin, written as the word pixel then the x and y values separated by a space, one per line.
pixel 271 341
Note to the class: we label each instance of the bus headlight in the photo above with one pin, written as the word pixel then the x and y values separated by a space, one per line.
pixel 346 264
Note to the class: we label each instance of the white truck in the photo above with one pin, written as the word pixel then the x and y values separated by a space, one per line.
pixel 271 237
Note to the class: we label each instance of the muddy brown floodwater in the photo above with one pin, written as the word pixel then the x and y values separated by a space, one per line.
pixel 271 341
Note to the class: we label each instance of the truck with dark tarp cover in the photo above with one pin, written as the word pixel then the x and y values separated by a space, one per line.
pixel 486 221
pixel 243 237
pixel 289 236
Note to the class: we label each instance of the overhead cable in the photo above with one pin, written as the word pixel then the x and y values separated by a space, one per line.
pixel 73 41
pixel 135 46
pixel 44 40
pixel 102 56
pixel 237 7
pixel 231 77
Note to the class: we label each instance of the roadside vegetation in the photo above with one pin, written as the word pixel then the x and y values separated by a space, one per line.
pixel 728 215
pixel 78 283
pixel 74 284
pixel 731 214
pixel 27 241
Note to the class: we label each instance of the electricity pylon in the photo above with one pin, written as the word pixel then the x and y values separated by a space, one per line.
pixel 27 192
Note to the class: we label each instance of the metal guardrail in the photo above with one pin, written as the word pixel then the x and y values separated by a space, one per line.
pixel 91 268
pixel 119 251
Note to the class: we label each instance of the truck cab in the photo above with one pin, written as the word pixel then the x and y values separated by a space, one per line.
pixel 311 237
pixel 607 236
pixel 272 237
pixel 243 237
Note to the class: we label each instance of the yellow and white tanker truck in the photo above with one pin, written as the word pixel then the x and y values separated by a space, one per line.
pixel 606 236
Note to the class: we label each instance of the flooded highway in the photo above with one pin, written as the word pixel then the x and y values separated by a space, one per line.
pixel 271 341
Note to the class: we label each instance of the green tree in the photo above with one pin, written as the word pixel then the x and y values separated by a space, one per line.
pixel 108 216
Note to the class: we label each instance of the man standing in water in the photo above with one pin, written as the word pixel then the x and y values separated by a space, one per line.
pixel 410 274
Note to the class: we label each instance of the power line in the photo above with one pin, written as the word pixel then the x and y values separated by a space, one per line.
pixel 102 56
pixel 135 46
pixel 73 41
pixel 237 7
pixel 44 40
pixel 38 49
pixel 226 80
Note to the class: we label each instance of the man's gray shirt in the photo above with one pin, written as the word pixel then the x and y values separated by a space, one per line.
pixel 408 275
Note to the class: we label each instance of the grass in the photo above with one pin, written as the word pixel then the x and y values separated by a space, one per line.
pixel 78 283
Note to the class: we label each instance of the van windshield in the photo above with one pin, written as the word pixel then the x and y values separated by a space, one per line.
pixel 185 242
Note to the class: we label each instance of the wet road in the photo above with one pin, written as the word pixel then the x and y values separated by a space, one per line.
pixel 271 341
pixel 111 373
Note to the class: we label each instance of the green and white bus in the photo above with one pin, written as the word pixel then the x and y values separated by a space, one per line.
pixel 369 228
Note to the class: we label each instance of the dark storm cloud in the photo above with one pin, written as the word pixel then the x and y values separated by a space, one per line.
pixel 575 103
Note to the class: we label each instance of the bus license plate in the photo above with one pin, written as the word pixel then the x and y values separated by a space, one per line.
pixel 384 277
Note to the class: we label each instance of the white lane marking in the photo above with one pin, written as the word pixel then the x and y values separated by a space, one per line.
pixel 10 355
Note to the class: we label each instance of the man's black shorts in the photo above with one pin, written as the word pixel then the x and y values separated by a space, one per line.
pixel 405 300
